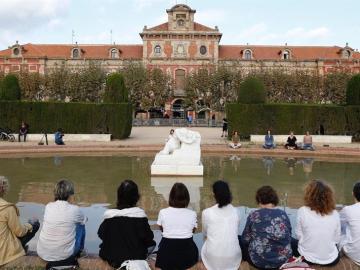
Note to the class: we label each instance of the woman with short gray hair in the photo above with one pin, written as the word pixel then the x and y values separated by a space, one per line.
pixel 14 236
pixel 62 236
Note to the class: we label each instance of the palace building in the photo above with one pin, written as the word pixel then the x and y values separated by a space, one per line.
pixel 179 47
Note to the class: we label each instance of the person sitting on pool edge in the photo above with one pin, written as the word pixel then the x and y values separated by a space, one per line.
pixel 291 142
pixel 307 143
pixel 269 141
pixel 125 231
pixel 14 235
pixel 59 134
pixel 235 140
pixel 350 219
pixel 62 236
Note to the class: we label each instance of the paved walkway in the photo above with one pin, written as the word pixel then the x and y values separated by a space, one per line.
pixel 152 139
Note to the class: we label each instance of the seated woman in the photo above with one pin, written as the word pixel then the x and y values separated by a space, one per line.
pixel 177 249
pixel 62 236
pixel 59 134
pixel 318 226
pixel 266 240
pixel 235 140
pixel 350 218
pixel 291 142
pixel 269 141
pixel 222 219
pixel 308 144
pixel 14 235
pixel 125 231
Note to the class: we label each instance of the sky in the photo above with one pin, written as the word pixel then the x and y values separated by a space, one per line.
pixel 257 22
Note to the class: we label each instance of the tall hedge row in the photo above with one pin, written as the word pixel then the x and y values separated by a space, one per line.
pixel 281 118
pixel 76 118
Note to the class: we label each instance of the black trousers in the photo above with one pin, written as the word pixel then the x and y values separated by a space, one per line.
pixel 30 235
pixel 24 135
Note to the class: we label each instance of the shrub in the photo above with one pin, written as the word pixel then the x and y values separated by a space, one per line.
pixel 281 118
pixel 115 90
pixel 251 91
pixel 10 89
pixel 76 118
pixel 353 91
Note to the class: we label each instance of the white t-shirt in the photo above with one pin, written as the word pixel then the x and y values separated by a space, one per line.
pixel 318 235
pixel 57 236
pixel 221 249
pixel 177 223
pixel 350 218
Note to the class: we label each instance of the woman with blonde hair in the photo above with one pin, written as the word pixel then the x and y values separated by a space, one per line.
pixel 14 235
pixel 318 226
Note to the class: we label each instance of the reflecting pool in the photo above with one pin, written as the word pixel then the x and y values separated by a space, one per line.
pixel 96 179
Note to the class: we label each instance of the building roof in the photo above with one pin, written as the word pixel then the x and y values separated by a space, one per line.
pixel 233 52
pixel 197 27
pixel 63 51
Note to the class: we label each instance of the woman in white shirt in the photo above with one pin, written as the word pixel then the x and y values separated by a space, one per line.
pixel 350 219
pixel 318 225
pixel 177 249
pixel 62 236
pixel 220 223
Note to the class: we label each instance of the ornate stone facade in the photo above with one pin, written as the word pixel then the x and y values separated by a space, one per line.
pixel 179 47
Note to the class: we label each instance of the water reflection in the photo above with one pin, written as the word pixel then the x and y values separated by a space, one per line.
pixel 163 185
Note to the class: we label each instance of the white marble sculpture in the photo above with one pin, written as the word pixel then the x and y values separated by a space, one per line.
pixel 180 156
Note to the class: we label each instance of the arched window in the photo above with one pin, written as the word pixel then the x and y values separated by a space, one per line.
pixel 16 51
pixel 114 53
pixel 247 55
pixel 76 53
pixel 157 49
pixel 286 55
pixel 181 23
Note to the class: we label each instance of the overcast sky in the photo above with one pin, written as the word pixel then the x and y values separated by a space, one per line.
pixel 296 22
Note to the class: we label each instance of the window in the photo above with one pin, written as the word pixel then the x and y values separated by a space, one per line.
pixel 247 55
pixel 114 54
pixel 347 54
pixel 157 49
pixel 203 50
pixel 181 23
pixel 16 51
pixel 180 79
pixel 286 55
pixel 75 53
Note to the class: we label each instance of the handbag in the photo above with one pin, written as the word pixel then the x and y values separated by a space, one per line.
pixel 135 265
pixel 296 264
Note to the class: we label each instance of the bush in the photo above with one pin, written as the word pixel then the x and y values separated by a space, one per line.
pixel 353 91
pixel 76 118
pixel 281 118
pixel 251 91
pixel 115 91
pixel 10 89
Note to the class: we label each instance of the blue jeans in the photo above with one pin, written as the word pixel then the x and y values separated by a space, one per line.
pixel 308 146
pixel 79 239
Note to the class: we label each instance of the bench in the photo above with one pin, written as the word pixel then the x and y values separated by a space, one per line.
pixel 317 139
pixel 69 137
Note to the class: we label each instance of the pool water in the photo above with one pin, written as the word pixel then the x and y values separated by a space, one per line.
pixel 96 180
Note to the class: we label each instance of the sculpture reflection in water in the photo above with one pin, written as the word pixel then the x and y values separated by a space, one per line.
pixel 163 185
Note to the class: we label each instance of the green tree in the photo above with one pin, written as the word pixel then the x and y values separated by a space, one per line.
pixel 115 90
pixel 135 75
pixel 251 91
pixel 31 84
pixel 353 91
pixel 10 88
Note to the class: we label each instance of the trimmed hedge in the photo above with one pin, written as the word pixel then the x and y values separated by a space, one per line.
pixel 281 118
pixel 251 91
pixel 75 118
pixel 353 91
pixel 10 88
pixel 115 90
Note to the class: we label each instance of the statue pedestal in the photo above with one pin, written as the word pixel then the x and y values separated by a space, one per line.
pixel 190 170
